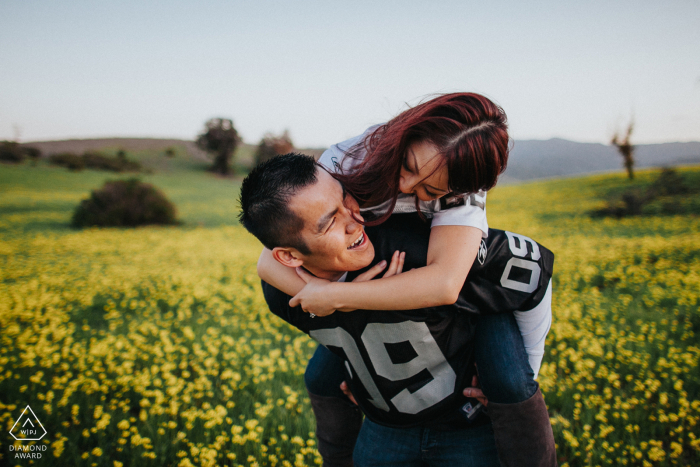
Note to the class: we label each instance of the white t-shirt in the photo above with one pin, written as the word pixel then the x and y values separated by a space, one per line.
pixel 466 210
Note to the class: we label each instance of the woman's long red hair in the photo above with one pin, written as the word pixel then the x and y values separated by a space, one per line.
pixel 469 131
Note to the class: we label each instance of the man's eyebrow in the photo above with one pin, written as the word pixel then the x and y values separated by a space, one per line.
pixel 323 221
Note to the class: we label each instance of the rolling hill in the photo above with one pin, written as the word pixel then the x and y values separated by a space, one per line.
pixel 530 159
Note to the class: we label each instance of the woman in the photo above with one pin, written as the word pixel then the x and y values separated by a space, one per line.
pixel 438 158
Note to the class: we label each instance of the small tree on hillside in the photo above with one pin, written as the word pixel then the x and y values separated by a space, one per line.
pixel 626 149
pixel 272 145
pixel 219 138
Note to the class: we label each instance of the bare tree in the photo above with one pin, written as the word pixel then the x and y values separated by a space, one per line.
pixel 626 149
pixel 221 139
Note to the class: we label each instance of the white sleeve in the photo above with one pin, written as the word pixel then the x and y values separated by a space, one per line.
pixel 472 214
pixel 534 325
pixel 334 158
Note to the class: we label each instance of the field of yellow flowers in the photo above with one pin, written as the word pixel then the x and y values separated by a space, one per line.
pixel 154 347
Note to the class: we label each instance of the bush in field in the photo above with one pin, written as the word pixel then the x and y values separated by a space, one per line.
pixel 11 151
pixel 68 160
pixel 670 183
pixel 272 145
pixel 124 203
pixel 32 152
pixel 664 196
pixel 96 161
pixel 630 203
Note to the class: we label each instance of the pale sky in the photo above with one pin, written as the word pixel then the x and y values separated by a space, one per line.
pixel 327 70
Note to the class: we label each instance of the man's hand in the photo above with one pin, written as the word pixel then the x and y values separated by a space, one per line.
pixel 475 392
pixel 317 298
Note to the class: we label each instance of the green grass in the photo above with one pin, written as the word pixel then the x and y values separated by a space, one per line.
pixel 43 198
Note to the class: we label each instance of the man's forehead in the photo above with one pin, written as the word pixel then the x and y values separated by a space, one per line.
pixel 315 201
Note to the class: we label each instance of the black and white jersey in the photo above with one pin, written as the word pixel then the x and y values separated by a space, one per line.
pixel 408 368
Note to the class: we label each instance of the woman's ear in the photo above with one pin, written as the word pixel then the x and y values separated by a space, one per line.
pixel 289 257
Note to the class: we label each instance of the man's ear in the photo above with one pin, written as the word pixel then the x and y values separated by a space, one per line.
pixel 290 257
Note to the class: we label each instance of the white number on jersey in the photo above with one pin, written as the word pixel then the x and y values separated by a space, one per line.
pixel 429 357
pixel 520 250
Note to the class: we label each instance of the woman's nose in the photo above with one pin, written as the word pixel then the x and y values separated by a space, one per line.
pixel 406 184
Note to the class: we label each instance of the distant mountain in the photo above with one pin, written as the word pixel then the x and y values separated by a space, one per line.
pixel 532 159
pixel 529 159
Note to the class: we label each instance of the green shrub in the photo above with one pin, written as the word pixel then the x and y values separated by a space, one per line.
pixel 670 183
pixel 69 160
pixel 630 204
pixel 124 203
pixel 96 161
pixel 11 152
pixel 665 195
pixel 32 152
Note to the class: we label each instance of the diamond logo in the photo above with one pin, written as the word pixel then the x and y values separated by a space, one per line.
pixel 482 252
pixel 28 427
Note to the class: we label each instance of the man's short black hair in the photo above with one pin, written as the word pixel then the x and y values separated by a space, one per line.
pixel 265 196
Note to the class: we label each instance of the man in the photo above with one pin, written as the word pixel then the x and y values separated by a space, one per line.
pixel 405 368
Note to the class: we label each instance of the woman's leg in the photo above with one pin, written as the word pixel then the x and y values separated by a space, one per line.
pixel 518 413
pixel 338 421
pixel 501 361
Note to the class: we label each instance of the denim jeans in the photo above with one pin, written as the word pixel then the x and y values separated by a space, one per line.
pixel 378 445
pixel 504 371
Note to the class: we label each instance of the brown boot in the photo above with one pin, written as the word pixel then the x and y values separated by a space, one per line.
pixel 523 433
pixel 337 425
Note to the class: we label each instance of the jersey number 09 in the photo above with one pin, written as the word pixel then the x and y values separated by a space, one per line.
pixel 428 357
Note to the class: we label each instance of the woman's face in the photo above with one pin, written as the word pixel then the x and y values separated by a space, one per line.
pixel 423 172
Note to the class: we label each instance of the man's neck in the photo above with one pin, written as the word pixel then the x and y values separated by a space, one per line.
pixel 332 276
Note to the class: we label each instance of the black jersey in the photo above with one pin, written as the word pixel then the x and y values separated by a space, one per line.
pixel 408 367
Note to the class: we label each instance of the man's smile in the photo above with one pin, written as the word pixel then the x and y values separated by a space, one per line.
pixel 359 242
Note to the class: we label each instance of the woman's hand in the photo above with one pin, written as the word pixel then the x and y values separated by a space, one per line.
pixel 317 295
pixel 314 298
pixel 396 267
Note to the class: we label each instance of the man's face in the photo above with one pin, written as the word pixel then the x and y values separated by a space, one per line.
pixel 337 241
